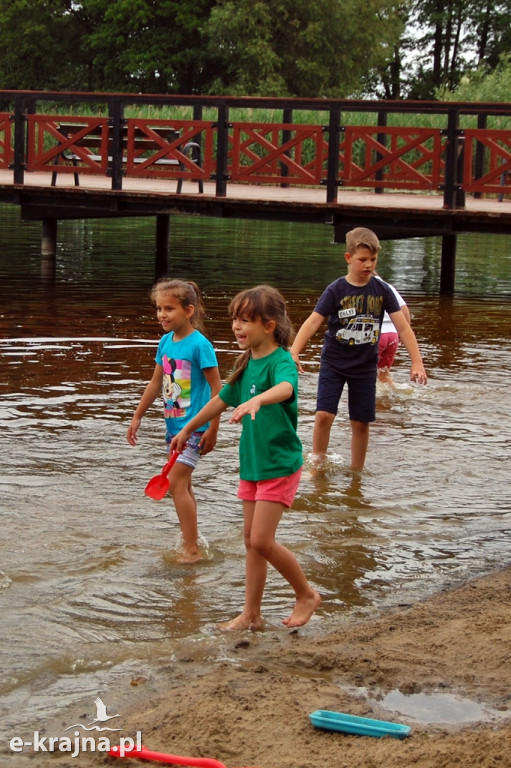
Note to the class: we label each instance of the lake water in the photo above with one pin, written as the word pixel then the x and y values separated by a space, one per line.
pixel 91 595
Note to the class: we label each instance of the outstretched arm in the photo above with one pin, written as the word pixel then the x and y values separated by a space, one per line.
pixel 276 394
pixel 308 328
pixel 407 336
pixel 211 411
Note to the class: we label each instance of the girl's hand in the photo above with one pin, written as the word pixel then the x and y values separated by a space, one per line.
pixel 131 434
pixel 178 442
pixel 208 441
pixel 249 407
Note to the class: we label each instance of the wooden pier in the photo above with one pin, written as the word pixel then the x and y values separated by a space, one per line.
pixel 401 181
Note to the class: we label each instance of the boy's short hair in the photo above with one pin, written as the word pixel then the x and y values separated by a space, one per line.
pixel 361 237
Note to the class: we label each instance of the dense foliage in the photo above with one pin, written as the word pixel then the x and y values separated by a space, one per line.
pixel 331 48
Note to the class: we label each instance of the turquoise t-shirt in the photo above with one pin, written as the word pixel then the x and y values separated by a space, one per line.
pixel 185 388
pixel 269 445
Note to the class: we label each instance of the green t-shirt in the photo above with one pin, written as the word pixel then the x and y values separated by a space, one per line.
pixel 269 445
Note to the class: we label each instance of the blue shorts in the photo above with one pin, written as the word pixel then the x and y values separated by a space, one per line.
pixel 191 454
pixel 361 394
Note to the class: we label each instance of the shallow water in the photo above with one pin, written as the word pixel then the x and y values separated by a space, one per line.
pixel 90 589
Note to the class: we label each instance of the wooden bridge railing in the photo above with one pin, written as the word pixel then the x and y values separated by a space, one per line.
pixel 454 157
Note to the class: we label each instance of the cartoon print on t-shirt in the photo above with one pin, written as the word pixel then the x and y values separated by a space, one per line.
pixel 357 326
pixel 176 386
pixel 363 329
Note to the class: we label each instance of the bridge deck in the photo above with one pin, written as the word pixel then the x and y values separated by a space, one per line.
pixel 392 214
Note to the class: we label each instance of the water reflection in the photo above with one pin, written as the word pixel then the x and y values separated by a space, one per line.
pixel 89 585
pixel 440 708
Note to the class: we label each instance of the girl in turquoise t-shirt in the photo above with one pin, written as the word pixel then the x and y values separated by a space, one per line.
pixel 186 376
pixel 263 390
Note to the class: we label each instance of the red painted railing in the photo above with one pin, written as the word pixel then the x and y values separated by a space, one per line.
pixel 48 147
pixel 397 158
pixel 274 153
pixel 6 153
pixel 335 155
pixel 277 153
pixel 369 156
pixel 496 147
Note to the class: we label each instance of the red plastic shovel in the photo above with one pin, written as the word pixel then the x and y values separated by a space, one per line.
pixel 158 486
pixel 160 757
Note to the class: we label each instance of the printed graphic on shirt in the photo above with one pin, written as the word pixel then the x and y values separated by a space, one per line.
pixel 363 329
pixel 176 386
pixel 359 317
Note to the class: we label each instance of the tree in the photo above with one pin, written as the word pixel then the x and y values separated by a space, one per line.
pixel 125 45
pixel 298 47
pixel 152 46
pixel 334 48
pixel 483 84
pixel 491 37
pixel 451 37
pixel 40 45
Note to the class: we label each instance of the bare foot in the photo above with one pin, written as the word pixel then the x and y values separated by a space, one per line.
pixel 303 610
pixel 241 622
pixel 384 377
pixel 317 463
pixel 187 557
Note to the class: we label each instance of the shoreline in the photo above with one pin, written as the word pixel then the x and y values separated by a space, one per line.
pixel 251 707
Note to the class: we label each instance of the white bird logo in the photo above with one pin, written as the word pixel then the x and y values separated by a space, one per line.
pixel 101 715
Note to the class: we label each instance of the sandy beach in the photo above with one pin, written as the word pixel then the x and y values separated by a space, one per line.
pixel 251 707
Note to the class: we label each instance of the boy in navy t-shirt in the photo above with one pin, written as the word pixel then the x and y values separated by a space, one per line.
pixel 354 306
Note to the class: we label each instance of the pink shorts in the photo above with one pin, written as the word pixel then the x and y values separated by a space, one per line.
pixel 387 349
pixel 281 490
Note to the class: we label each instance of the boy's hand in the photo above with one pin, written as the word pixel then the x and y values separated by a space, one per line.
pixel 418 374
pixel 297 362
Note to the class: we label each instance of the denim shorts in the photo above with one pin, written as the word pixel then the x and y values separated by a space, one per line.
pixel 191 454
pixel 361 394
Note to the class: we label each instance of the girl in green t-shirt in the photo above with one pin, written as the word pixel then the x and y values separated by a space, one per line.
pixel 263 390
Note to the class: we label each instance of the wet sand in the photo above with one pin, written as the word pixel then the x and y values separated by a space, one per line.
pixel 251 708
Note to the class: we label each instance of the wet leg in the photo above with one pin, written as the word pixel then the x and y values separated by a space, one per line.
pixel 321 435
pixel 359 444
pixel 266 519
pixel 186 510
pixel 256 567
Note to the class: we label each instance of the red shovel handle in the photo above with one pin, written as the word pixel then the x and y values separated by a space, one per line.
pixel 160 757
pixel 170 463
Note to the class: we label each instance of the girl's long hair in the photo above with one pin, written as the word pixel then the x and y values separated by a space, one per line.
pixel 186 292
pixel 264 303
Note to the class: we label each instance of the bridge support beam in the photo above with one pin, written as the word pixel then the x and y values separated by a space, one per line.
pixel 48 237
pixel 48 249
pixel 448 264
pixel 161 263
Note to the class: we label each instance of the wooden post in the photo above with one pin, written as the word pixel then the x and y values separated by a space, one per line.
pixel 161 262
pixel 222 149
pixel 48 237
pixel 447 268
pixel 48 249
pixel 332 182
